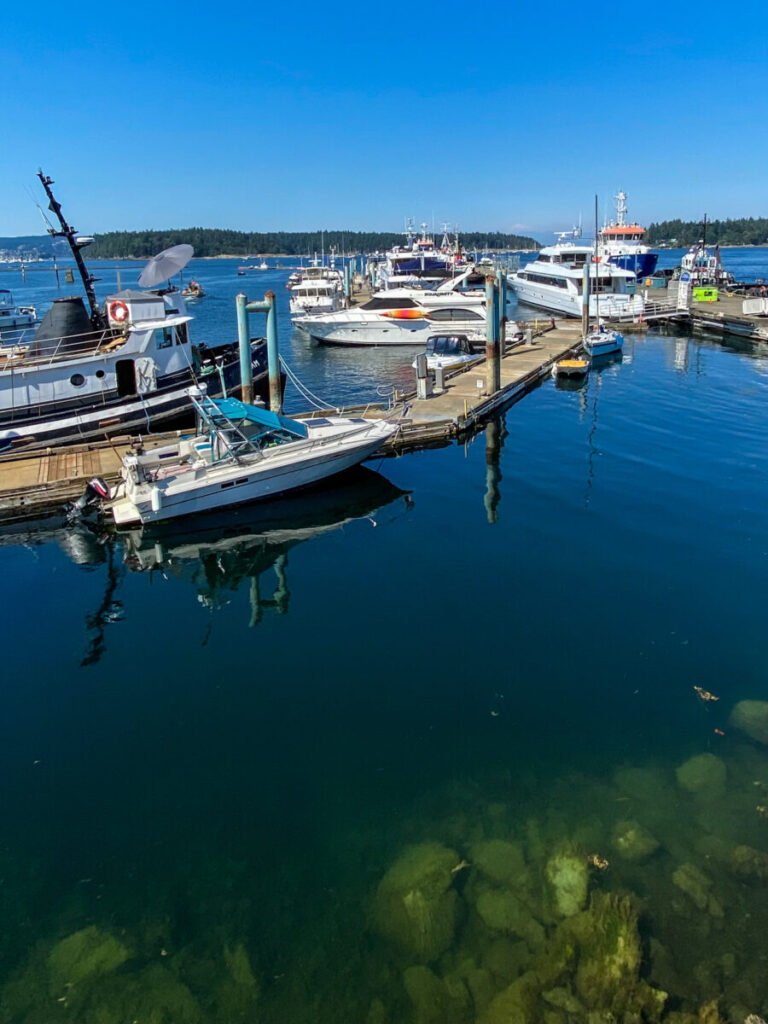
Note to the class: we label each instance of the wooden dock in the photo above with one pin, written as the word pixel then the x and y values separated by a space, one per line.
pixel 39 483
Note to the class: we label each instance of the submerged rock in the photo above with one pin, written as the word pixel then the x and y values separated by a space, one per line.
pixel 751 717
pixel 633 842
pixel 567 876
pixel 84 955
pixel 747 862
pixel 704 774
pixel 415 906
pixel 694 883
pixel 502 911
pixel 151 996
pixel 436 1000
pixel 501 861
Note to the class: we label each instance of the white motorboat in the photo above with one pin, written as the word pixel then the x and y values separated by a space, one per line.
pixel 554 281
pixel 419 260
pixel 241 454
pixel 319 290
pixel 12 315
pixel 119 367
pixel 446 350
pixel 705 266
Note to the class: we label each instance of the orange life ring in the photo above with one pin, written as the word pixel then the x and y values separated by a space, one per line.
pixel 118 311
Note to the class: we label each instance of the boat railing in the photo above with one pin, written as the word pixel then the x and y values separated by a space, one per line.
pixel 20 348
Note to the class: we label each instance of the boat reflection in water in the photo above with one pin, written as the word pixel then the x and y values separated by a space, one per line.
pixel 223 549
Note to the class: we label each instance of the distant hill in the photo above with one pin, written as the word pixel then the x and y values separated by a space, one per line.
pixel 217 242
pixel 43 243
pixel 741 231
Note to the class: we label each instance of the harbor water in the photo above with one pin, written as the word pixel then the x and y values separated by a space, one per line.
pixel 422 746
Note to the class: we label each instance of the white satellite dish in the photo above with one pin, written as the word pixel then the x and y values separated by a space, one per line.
pixel 163 266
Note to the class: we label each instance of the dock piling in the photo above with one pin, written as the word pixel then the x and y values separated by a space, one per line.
pixel 244 344
pixel 493 361
pixel 585 301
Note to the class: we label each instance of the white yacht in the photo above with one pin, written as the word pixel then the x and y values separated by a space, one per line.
pixel 554 280
pixel 420 261
pixel 401 316
pixel 318 290
pixel 12 315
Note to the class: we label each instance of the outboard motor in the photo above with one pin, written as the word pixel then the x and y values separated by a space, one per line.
pixel 95 492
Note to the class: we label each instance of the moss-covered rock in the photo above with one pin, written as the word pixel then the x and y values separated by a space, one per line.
pixel 151 996
pixel 236 991
pixel 435 1000
pixel 563 999
pixel 415 906
pixel 694 883
pixel 567 878
pixel 516 1004
pixel 502 911
pixel 746 862
pixel 633 842
pixel 506 960
pixel 704 775
pixel 501 861
pixel 751 717
pixel 84 955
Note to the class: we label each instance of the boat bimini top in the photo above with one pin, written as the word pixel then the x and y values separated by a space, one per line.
pixel 243 428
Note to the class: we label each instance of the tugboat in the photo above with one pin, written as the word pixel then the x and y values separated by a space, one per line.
pixel 705 264
pixel 622 243
pixel 120 367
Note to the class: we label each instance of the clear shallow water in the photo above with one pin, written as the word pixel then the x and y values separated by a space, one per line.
pixel 216 781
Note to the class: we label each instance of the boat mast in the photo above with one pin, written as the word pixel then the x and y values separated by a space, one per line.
pixel 597 277
pixel 70 234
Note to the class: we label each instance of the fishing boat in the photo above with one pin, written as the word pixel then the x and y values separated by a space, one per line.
pixel 554 281
pixel 240 454
pixel 117 367
pixel 194 290
pixel 622 244
pixel 12 315
pixel 420 260
pixel 705 265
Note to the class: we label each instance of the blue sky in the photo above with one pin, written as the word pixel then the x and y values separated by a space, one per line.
pixel 317 115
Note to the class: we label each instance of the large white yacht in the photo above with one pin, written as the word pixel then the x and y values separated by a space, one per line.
pixel 319 290
pixel 554 281
pixel 401 316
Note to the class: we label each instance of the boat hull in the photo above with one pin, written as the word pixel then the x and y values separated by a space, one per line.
pixel 166 407
pixel 250 483
pixel 642 264
pixel 558 300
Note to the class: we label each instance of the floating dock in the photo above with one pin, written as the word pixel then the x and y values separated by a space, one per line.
pixel 39 483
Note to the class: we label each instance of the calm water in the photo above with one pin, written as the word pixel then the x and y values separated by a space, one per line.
pixel 215 745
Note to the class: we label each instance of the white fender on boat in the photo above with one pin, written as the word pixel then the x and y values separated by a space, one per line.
pixel 155 499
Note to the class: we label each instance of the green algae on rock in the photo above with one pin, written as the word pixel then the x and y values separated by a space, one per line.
pixel 501 861
pixel 703 774
pixel 695 884
pixel 415 906
pixel 746 862
pixel 84 955
pixel 633 842
pixel 436 1000
pixel 502 911
pixel 567 876
pixel 751 717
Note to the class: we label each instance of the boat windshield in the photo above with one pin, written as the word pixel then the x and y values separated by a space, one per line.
pixel 448 345
pixel 6 299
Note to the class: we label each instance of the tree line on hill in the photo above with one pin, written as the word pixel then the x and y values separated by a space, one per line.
pixel 739 231
pixel 217 242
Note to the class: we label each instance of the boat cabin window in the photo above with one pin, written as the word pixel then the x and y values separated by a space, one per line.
pixel 454 314
pixel 389 304
pixel 555 282
pixel 448 345
pixel 181 334
pixel 164 337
